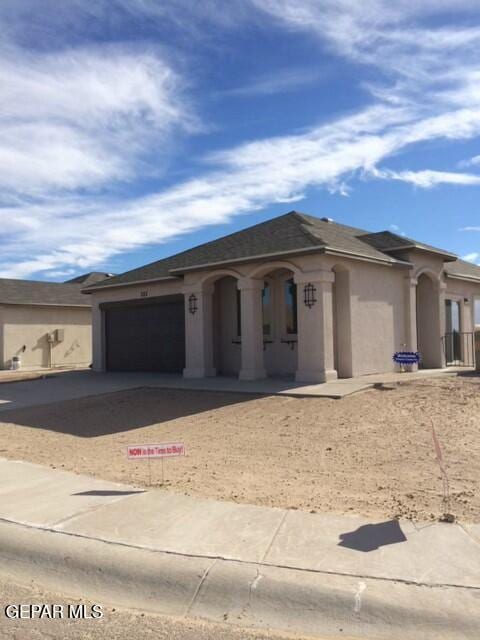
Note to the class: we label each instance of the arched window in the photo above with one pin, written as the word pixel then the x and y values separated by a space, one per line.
pixel 290 295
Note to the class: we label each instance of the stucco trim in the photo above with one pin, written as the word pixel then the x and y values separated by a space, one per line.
pixel 134 283
pixel 460 277
pixel 320 250
pixel 46 304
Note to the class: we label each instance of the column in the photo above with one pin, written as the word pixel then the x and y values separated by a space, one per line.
pixel 98 338
pixel 253 367
pixel 199 332
pixel 411 342
pixel 315 328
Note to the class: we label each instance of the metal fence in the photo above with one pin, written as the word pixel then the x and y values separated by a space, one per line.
pixel 459 349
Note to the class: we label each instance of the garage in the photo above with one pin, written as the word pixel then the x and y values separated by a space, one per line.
pixel 145 335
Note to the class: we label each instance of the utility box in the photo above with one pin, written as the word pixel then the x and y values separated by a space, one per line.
pixel 477 350
pixel 59 335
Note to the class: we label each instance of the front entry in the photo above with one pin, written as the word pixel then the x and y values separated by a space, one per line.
pixel 145 336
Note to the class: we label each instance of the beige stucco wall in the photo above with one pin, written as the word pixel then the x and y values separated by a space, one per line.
pixel 28 326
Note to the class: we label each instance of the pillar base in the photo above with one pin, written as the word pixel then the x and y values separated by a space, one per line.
pixel 316 376
pixel 200 372
pixel 252 374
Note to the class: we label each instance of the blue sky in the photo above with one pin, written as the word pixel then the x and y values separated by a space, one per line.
pixel 133 129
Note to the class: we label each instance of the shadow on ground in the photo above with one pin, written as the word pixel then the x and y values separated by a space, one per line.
pixel 120 411
pixel 106 492
pixel 373 536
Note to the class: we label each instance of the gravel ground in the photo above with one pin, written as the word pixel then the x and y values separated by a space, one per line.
pixel 370 453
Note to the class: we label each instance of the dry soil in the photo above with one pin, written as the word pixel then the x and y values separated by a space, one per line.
pixel 370 453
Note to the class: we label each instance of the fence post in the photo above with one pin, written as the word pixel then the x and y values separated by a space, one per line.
pixel 477 350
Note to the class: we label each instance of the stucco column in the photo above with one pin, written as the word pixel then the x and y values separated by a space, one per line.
pixel 253 367
pixel 199 332
pixel 411 342
pixel 98 338
pixel 315 328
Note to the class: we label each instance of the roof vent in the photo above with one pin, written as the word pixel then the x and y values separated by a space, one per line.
pixel 327 219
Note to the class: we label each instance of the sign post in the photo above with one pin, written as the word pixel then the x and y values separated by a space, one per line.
pixel 149 451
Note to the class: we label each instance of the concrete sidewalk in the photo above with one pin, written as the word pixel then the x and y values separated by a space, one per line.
pixel 243 564
pixel 66 385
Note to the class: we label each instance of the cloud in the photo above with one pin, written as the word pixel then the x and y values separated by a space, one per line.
pixel 67 118
pixel 471 162
pixel 279 82
pixel 472 257
pixel 427 178
pixel 83 232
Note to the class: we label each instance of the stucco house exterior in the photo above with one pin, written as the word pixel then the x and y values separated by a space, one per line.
pixel 296 296
pixel 46 324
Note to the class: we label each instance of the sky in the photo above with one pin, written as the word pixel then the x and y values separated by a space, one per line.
pixel 131 130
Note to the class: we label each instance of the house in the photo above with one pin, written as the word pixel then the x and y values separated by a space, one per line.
pixel 296 296
pixel 46 324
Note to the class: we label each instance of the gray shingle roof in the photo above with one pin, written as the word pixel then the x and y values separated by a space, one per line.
pixel 289 233
pixel 462 268
pixel 388 241
pixel 41 293
pixel 89 278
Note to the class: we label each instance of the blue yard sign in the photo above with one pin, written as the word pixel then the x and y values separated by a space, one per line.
pixel 406 357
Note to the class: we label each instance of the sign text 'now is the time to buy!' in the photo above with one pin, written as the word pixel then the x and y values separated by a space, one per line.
pixel 166 450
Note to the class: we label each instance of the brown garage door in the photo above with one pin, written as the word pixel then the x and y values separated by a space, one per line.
pixel 146 336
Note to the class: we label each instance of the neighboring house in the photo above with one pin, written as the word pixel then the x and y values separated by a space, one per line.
pixel 46 324
pixel 294 296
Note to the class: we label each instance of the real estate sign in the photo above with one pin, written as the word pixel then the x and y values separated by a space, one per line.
pixel 163 450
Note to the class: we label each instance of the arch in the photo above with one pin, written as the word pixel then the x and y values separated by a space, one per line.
pixel 426 271
pixel 342 322
pixel 262 270
pixel 213 276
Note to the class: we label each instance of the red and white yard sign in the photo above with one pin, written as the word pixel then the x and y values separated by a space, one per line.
pixel 164 450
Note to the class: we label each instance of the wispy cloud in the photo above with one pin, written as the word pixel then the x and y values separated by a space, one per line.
pixel 278 82
pixel 472 257
pixel 67 119
pixel 471 162
pixel 427 178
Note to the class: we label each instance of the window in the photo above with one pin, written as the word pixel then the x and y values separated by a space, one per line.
pixel 267 309
pixel 290 307
pixel 477 312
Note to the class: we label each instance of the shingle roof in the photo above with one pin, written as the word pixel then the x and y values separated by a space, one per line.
pixel 289 233
pixel 461 268
pixel 89 278
pixel 388 241
pixel 41 293
pixel 292 232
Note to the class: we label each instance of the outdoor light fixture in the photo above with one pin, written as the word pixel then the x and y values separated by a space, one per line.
pixel 192 303
pixel 309 295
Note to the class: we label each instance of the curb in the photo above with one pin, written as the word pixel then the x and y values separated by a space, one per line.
pixel 239 593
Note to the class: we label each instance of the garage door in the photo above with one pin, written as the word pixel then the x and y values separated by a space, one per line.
pixel 146 336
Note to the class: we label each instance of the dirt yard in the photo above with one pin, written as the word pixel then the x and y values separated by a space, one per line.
pixel 370 453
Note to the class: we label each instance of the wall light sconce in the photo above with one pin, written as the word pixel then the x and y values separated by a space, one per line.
pixel 309 295
pixel 192 303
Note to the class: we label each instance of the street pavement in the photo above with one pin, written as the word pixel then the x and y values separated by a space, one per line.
pixel 245 565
